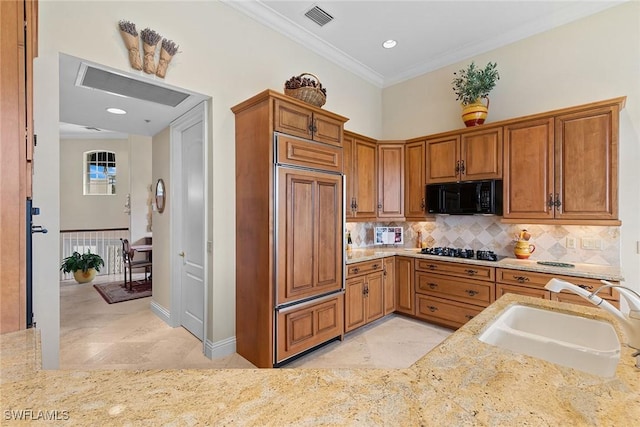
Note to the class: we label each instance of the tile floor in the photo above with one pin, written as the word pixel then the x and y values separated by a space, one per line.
pixel 127 335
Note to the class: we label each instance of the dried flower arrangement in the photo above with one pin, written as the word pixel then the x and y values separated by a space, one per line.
pixel 169 48
pixel 132 43
pixel 150 40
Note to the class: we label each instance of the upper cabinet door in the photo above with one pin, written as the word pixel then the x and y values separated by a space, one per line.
pixel 365 179
pixel 528 170
pixel 391 181
pixel 443 159
pixel 327 129
pixel 293 120
pixel 481 155
pixel 415 180
pixel 586 152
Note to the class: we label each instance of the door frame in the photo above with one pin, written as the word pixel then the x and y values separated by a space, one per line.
pixel 198 113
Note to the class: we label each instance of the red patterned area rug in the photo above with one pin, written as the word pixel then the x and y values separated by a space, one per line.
pixel 115 292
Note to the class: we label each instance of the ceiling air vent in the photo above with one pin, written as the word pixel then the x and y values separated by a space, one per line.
pixel 117 84
pixel 318 16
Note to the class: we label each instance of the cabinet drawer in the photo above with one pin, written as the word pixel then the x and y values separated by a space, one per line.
pixel 479 272
pixel 448 313
pixel 502 289
pixel 575 299
pixel 538 280
pixel 365 267
pixel 302 328
pixel 464 290
pixel 298 152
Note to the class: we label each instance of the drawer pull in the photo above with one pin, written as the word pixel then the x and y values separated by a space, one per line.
pixel 468 316
pixel 521 279
pixel 433 308
pixel 471 293
pixel 355 269
pixel 375 266
pixel 587 287
pixel 433 285
pixel 432 266
pixel 471 272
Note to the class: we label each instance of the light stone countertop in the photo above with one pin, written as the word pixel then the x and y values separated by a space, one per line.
pixel 592 271
pixel 463 381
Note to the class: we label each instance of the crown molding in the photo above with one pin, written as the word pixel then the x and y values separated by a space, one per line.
pixel 274 20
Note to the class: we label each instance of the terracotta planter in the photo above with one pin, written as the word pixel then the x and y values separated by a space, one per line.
pixel 84 277
pixel 475 114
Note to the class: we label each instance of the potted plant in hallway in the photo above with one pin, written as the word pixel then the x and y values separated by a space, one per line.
pixel 83 267
pixel 471 85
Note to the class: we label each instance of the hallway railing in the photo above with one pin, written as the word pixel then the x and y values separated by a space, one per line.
pixel 104 242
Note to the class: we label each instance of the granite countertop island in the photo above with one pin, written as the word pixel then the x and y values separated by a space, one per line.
pixel 463 381
pixel 593 271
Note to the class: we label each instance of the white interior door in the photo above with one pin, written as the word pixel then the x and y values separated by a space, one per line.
pixel 46 196
pixel 188 135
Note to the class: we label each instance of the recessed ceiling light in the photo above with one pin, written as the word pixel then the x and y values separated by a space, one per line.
pixel 389 44
pixel 116 111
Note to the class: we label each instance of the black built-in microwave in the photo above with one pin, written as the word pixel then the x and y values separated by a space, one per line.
pixel 465 198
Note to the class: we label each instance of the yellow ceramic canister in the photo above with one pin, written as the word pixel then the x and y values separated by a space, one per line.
pixel 523 249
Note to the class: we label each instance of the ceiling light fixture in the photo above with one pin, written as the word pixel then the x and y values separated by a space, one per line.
pixel 388 44
pixel 116 111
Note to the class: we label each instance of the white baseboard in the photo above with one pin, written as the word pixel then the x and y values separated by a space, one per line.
pixel 225 347
pixel 161 312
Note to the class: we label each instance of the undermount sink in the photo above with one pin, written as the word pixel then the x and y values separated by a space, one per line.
pixel 588 345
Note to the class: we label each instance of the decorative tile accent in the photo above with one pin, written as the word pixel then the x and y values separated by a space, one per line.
pixel 488 233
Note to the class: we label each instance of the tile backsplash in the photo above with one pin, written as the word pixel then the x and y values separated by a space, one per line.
pixel 488 233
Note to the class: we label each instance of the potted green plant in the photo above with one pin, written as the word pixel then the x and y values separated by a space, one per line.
pixel 471 85
pixel 83 266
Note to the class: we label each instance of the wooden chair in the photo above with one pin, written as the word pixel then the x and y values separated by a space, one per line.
pixel 130 264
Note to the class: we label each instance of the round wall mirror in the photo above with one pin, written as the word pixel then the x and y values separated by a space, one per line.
pixel 160 195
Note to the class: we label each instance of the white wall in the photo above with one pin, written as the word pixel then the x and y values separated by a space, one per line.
pixel 79 211
pixel 141 184
pixel 161 222
pixel 227 56
pixel 593 59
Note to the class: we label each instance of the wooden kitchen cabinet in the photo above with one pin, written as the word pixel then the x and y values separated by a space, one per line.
pixel 364 294
pixel 405 291
pixel 289 241
pixel 309 243
pixel 309 324
pixel 298 120
pixel 415 205
pixel 391 181
pixel 563 168
pixel 389 281
pixel 528 170
pixel 451 293
pixel 361 173
pixel 532 284
pixel 465 156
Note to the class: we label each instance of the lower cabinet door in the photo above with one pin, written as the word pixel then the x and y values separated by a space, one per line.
pixel 354 295
pixel 445 312
pixel 312 323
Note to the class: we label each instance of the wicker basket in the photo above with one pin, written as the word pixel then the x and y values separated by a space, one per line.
pixel 310 95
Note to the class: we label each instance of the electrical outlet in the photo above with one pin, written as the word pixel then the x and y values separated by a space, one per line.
pixel 591 243
pixel 571 243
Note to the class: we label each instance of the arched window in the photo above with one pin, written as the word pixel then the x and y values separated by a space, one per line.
pixel 100 172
